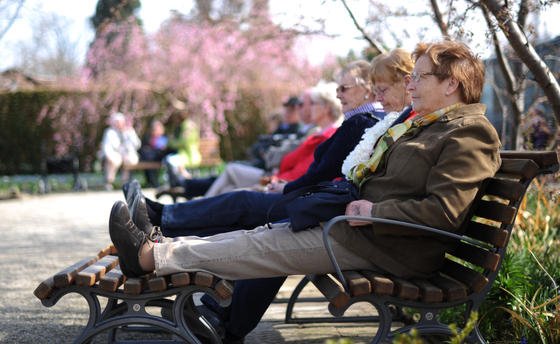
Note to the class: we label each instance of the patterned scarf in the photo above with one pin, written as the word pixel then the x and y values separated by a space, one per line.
pixel 361 171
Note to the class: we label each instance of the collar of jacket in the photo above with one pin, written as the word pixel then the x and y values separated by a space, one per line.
pixel 474 109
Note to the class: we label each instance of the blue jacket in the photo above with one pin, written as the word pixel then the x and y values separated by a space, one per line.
pixel 330 155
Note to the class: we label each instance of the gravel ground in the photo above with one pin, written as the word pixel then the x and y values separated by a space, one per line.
pixel 43 234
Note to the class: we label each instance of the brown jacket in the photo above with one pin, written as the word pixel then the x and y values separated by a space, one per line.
pixel 430 177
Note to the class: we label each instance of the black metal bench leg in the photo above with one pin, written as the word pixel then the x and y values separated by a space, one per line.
pixel 184 310
pixel 385 319
pixel 289 319
pixel 476 337
pixel 94 317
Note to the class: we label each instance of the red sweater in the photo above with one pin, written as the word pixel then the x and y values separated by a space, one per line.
pixel 296 163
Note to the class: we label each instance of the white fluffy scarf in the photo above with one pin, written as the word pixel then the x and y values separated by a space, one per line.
pixel 362 151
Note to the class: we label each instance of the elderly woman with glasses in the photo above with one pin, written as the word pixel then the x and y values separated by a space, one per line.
pixel 390 74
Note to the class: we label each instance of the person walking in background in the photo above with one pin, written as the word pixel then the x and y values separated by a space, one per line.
pixel 119 147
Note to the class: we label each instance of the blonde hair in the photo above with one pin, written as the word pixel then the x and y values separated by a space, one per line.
pixel 392 66
pixel 453 59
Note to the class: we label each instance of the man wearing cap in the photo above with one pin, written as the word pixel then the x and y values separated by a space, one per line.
pixel 291 123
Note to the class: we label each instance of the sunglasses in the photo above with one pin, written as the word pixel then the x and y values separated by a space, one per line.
pixel 344 88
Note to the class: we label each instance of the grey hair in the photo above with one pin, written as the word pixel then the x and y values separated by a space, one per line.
pixel 358 69
pixel 325 93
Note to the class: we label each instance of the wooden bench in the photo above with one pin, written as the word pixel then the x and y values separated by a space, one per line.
pixel 468 272
pixel 132 301
pixel 209 150
pixel 465 278
pixel 143 165
pixel 211 161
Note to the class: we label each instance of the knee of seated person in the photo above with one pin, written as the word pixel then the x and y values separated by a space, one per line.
pixel 245 196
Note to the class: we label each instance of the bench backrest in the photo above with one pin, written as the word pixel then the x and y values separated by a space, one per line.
pixel 492 218
pixel 210 151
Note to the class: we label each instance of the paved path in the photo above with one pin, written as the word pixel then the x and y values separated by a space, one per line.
pixel 42 234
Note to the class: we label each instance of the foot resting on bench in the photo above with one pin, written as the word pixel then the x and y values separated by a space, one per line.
pixel 135 249
pixel 145 212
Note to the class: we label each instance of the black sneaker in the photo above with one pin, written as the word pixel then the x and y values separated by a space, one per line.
pixel 129 190
pixel 137 206
pixel 128 239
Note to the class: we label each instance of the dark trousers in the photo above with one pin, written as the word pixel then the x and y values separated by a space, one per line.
pixel 197 186
pixel 250 300
pixel 227 212
pixel 223 213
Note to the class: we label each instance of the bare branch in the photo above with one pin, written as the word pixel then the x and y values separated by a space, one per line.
pixel 513 91
pixel 12 19
pixel 438 18
pixel 500 57
pixel 375 45
pixel 522 13
pixel 527 53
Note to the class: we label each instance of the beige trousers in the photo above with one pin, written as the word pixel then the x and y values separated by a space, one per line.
pixel 266 251
pixel 235 176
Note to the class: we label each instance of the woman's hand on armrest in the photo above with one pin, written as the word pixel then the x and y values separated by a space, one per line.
pixel 358 208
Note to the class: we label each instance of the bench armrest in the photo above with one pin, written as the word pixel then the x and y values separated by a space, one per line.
pixel 330 225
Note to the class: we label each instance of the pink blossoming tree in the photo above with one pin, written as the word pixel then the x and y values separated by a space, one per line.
pixel 207 69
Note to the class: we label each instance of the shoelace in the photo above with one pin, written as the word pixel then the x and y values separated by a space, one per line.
pixel 155 234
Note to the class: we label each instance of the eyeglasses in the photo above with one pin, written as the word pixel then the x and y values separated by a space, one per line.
pixel 381 91
pixel 416 77
pixel 344 88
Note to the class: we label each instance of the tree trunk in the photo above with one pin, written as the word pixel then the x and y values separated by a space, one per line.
pixel 514 89
pixel 527 54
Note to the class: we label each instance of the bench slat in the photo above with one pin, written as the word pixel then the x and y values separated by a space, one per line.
pixel 477 256
pixel 111 249
pixel 90 275
pixel 203 279
pixel 359 285
pixel 429 292
pixel 526 169
pixel 508 189
pixel 473 279
pixel 546 160
pixel 158 283
pixel 224 289
pixel 112 280
pixel 452 290
pixel 495 211
pixel 380 284
pixel 180 279
pixel 67 276
pixel 44 289
pixel 405 289
pixel 332 291
pixel 490 234
pixel 135 286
